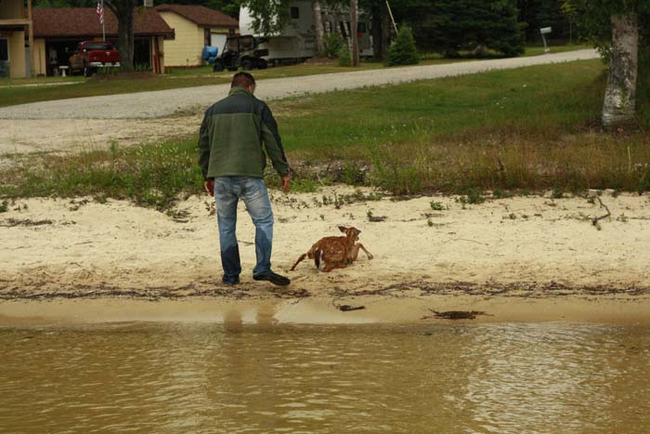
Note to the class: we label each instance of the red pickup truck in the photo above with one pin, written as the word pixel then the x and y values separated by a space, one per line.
pixel 91 55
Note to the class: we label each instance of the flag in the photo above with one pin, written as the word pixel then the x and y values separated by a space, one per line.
pixel 100 11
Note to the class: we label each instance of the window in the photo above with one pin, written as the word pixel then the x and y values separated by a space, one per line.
pixel 103 46
pixel 4 50
pixel 295 12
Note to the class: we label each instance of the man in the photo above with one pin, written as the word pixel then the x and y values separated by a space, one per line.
pixel 234 135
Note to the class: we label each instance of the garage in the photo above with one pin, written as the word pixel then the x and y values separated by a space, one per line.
pixel 58 31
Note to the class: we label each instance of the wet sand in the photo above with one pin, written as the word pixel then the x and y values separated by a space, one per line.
pixel 519 259
pixel 607 309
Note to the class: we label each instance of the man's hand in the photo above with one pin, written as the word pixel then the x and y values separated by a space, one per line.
pixel 209 187
pixel 286 183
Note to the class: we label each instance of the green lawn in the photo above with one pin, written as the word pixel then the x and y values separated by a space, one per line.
pixel 526 129
pixel 538 100
pixel 14 91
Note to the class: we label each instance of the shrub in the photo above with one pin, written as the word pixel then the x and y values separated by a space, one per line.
pixel 333 43
pixel 344 56
pixel 403 50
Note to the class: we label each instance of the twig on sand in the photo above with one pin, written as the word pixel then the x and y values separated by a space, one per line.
pixel 455 314
pixel 469 241
pixel 596 220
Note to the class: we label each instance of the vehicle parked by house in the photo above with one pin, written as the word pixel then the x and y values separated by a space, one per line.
pixel 89 56
pixel 241 51
pixel 297 40
pixel 195 27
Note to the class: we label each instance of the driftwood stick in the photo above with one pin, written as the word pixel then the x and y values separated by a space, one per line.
pixel 596 220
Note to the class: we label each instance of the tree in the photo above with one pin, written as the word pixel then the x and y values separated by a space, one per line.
pixel 354 34
pixel 124 11
pixel 318 27
pixel 269 16
pixel 620 30
pixel 450 26
pixel 535 14
pixel 403 51
pixel 620 94
pixel 409 11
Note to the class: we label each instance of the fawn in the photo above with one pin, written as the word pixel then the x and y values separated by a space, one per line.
pixel 335 252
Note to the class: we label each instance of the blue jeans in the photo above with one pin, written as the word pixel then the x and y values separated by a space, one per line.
pixel 227 192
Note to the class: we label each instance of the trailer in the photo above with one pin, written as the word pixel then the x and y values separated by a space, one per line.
pixel 296 41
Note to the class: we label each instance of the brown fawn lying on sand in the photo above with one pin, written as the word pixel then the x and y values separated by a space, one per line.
pixel 335 252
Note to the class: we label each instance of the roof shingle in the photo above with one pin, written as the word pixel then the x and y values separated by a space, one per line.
pixel 84 22
pixel 201 15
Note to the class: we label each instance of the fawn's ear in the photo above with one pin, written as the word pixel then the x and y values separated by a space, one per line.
pixel 357 231
pixel 343 229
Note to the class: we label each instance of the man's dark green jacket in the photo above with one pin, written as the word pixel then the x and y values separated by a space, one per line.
pixel 234 135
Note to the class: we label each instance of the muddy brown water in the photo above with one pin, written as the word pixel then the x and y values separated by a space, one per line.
pixel 234 378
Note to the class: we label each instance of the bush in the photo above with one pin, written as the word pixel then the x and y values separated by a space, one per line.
pixel 344 56
pixel 333 43
pixel 403 50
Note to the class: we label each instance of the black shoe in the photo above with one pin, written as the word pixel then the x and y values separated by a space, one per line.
pixel 230 280
pixel 274 278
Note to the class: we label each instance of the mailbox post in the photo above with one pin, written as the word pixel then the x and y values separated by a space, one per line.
pixel 545 31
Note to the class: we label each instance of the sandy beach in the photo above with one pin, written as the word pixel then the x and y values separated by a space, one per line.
pixel 473 257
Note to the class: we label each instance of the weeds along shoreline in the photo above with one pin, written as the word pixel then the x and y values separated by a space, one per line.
pixel 504 132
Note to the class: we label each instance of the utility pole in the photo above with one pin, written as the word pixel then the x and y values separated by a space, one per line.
pixel 354 34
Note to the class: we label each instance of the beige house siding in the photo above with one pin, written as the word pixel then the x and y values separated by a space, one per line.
pixel 40 59
pixel 16 43
pixel 186 48
pixel 12 9
pixel 12 14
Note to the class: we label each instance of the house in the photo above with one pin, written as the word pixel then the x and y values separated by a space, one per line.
pixel 57 31
pixel 296 41
pixel 195 27
pixel 15 38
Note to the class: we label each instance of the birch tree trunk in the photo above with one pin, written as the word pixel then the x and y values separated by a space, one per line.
pixel 354 34
pixel 318 27
pixel 620 94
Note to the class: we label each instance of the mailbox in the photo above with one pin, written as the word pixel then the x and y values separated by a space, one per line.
pixel 545 31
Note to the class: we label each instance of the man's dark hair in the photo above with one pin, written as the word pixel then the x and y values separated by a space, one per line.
pixel 243 79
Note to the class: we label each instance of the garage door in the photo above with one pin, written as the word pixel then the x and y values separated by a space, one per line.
pixel 218 40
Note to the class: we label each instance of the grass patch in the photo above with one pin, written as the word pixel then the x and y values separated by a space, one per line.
pixel 528 129
pixel 150 175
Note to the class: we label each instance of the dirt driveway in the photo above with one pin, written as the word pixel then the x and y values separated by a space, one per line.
pixel 64 125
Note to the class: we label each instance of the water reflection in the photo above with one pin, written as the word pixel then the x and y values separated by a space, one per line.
pixel 238 378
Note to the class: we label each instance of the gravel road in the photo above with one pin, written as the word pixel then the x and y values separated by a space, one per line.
pixel 147 105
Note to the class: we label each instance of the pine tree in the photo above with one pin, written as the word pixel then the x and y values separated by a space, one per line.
pixel 403 50
pixel 451 26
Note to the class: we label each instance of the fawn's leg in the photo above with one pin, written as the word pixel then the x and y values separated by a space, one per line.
pixel 368 254
pixel 332 265
pixel 355 252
